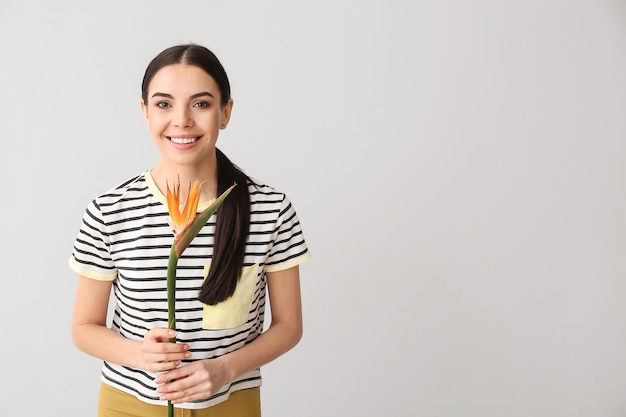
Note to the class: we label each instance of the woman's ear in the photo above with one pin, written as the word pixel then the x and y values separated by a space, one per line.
pixel 144 109
pixel 226 111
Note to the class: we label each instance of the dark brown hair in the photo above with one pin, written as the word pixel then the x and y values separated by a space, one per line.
pixel 233 216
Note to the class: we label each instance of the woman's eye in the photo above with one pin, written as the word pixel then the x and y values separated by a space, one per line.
pixel 201 104
pixel 162 104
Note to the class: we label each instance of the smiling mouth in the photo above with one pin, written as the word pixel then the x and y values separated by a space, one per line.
pixel 183 141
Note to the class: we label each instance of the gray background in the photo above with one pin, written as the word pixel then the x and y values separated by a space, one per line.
pixel 459 168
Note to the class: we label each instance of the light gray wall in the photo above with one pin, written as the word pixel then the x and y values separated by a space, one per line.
pixel 459 168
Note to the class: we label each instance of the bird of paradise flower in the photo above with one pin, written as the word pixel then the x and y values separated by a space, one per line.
pixel 186 224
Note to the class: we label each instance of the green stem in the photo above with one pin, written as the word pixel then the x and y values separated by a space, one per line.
pixel 171 305
pixel 171 290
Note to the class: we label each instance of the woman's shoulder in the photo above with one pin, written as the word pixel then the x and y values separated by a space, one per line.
pixel 266 198
pixel 260 190
pixel 135 185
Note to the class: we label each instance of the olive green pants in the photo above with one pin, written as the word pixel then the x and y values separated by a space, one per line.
pixel 116 403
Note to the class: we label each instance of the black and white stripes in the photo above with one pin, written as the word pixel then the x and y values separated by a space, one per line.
pixel 125 237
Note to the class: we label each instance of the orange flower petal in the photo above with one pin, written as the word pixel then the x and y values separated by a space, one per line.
pixel 182 219
pixel 191 205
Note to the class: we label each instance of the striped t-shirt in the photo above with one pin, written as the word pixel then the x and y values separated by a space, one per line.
pixel 125 237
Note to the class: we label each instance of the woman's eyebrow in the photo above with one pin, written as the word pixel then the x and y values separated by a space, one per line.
pixel 203 93
pixel 157 94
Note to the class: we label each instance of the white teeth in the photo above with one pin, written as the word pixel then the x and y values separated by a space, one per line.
pixel 183 140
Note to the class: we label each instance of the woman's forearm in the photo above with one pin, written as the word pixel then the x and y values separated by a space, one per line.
pixel 284 332
pixel 90 333
pixel 277 340
pixel 103 343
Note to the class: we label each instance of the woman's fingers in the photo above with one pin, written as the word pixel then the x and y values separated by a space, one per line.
pixel 159 354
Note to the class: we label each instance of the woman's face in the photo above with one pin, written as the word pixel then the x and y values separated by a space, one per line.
pixel 184 114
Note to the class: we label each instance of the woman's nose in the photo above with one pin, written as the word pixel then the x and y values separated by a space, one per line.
pixel 183 118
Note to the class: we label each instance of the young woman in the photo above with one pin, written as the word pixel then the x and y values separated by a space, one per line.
pixel 252 244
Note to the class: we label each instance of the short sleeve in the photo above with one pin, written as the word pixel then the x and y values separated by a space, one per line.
pixel 91 256
pixel 288 248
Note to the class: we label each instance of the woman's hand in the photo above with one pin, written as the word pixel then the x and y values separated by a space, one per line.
pixel 203 378
pixel 158 354
pixel 196 381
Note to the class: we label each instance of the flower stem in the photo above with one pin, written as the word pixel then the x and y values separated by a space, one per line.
pixel 171 290
pixel 171 305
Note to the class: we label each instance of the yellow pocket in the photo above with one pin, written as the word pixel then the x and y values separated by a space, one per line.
pixel 232 312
